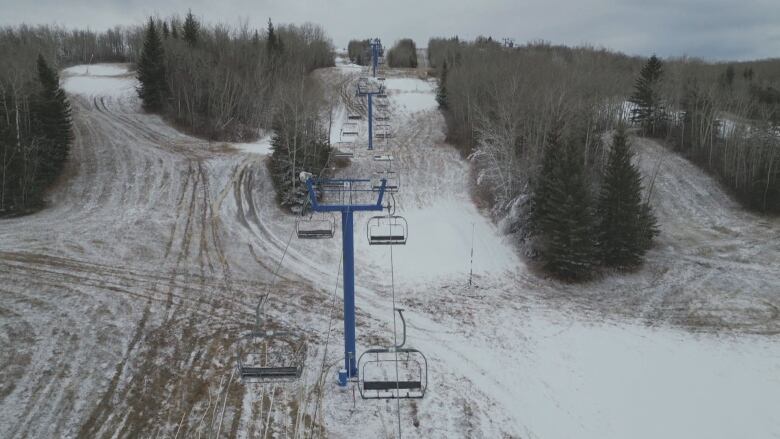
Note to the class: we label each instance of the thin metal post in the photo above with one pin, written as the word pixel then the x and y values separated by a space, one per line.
pixel 370 122
pixel 471 263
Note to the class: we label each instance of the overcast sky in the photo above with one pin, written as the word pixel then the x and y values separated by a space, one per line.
pixel 711 29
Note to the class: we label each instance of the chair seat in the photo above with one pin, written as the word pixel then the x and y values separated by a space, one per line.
pixel 270 372
pixel 391 385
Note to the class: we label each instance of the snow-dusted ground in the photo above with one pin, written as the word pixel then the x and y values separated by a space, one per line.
pixel 123 299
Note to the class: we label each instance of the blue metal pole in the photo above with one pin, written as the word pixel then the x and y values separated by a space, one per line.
pixel 350 350
pixel 370 123
pixel 374 55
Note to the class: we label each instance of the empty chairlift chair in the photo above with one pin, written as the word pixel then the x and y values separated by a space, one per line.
pixel 344 150
pixel 350 129
pixel 393 373
pixel 269 356
pixel 393 181
pixel 387 230
pixel 316 227
pixel 382 131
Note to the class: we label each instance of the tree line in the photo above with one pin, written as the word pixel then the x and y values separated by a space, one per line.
pixel 403 54
pixel 35 125
pixel 234 84
pixel 225 83
pixel 724 122
pixel 540 124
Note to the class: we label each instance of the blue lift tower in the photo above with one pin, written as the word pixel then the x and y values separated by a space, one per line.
pixel 370 87
pixel 349 189
pixel 376 51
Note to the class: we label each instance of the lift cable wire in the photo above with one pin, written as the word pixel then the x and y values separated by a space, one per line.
pixel 395 332
pixel 327 341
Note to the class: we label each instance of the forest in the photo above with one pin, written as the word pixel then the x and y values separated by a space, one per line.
pixel 214 81
pixel 35 121
pixel 544 127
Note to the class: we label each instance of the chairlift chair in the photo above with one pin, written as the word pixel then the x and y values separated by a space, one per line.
pixel 267 362
pixel 393 373
pixel 383 158
pixel 382 131
pixel 267 356
pixel 387 230
pixel 354 117
pixel 323 227
pixel 344 150
pixel 350 129
pixel 393 181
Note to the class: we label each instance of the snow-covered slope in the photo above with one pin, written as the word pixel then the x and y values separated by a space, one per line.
pixel 122 301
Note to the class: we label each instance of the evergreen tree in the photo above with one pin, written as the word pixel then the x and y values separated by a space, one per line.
pixel 165 31
pixel 53 123
pixel 174 30
pixel 441 92
pixel 730 75
pixel 562 218
pixel 624 221
pixel 648 112
pixel 191 27
pixel 273 42
pixel 153 88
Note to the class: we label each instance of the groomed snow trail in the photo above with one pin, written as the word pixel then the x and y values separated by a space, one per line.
pixel 123 299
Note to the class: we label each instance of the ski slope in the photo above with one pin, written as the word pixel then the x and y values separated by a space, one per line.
pixel 123 299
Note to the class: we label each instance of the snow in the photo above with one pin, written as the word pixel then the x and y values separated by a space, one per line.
pixel 557 376
pixel 412 94
pixel 98 70
pixel 156 248
pixel 439 244
pixel 119 87
pixel 345 65
pixel 260 147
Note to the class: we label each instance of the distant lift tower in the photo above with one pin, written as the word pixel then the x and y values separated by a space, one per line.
pixel 348 189
pixel 370 87
pixel 376 52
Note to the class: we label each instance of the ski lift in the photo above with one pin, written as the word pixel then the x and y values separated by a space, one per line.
pixel 383 158
pixel 344 150
pixel 270 356
pixel 387 230
pixel 382 116
pixel 392 178
pixel 350 129
pixel 381 95
pixel 354 117
pixel 393 373
pixel 382 131
pixel 315 228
